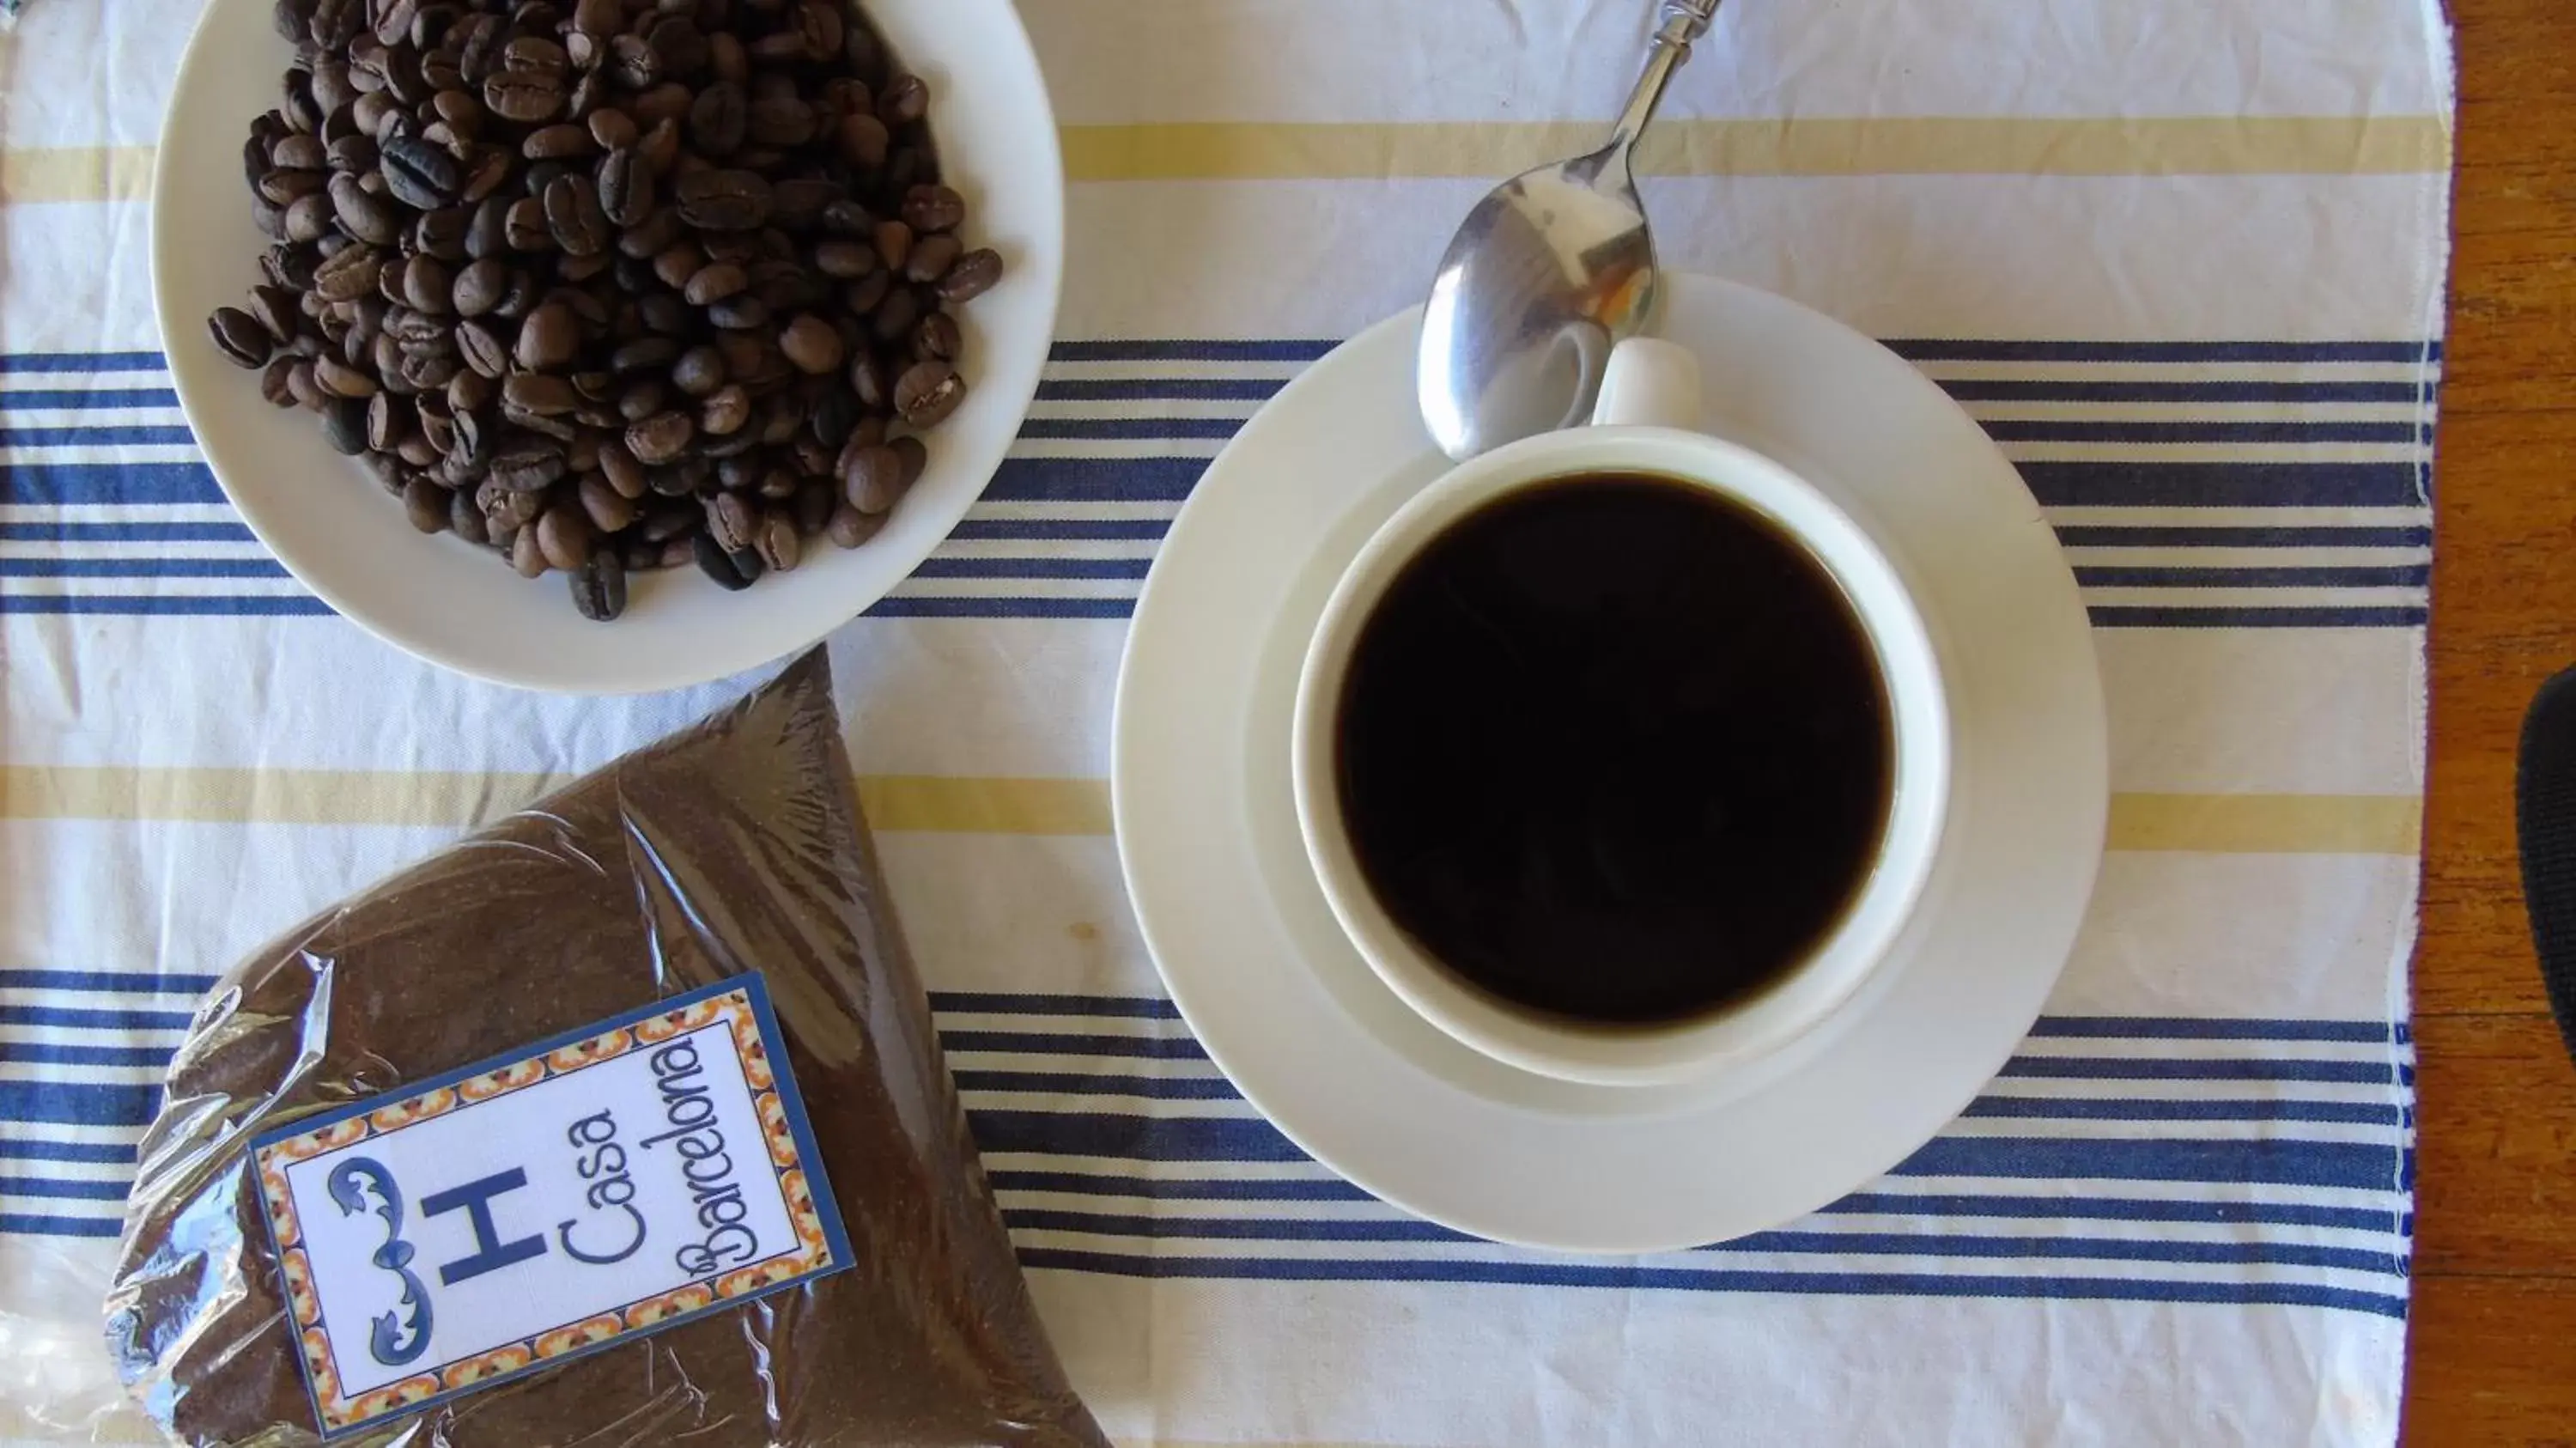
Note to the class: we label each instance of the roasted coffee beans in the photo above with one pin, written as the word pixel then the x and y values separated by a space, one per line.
pixel 609 285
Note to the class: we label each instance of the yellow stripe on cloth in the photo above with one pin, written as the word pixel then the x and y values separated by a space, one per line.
pixel 2266 824
pixel 2220 824
pixel 953 804
pixel 1804 146
pixel 928 803
pixel 75 173
pixel 265 796
pixel 1822 146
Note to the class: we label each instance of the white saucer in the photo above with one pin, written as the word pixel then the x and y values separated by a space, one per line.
pixel 1208 834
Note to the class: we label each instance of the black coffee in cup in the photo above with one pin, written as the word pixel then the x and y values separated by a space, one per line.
pixel 1616 748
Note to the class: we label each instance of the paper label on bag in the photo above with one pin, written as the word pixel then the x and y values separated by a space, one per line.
pixel 505 1217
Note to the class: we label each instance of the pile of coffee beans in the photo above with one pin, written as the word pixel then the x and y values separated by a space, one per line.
pixel 613 285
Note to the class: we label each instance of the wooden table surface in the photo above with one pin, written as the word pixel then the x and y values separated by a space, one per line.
pixel 2493 1336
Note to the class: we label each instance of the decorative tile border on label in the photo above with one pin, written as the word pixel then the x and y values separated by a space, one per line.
pixel 673 1040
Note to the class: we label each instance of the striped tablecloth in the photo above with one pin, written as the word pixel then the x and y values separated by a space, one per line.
pixel 2183 259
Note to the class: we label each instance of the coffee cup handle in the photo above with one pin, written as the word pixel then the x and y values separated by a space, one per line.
pixel 1649 383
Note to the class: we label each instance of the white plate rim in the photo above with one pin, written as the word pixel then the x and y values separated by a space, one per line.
pixel 677 632
pixel 1562 1133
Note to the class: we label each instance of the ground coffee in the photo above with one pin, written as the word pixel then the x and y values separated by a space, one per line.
pixel 735 845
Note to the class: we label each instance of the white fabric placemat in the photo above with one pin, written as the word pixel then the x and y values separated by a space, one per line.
pixel 2184 260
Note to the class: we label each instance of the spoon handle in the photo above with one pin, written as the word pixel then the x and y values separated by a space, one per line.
pixel 1684 21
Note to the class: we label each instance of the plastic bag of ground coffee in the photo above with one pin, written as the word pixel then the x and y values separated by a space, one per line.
pixel 723 867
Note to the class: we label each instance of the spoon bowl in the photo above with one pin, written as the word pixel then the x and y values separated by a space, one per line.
pixel 1551 270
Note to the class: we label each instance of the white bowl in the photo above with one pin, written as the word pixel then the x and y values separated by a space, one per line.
pixel 331 525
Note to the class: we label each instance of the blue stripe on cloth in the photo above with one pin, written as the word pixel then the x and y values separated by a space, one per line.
pixel 2209 1028
pixel 2364 1165
pixel 1634 1278
pixel 125 533
pixel 2054 1108
pixel 1055 1004
pixel 38 1226
pixel 908 607
pixel 2254 616
pixel 1248 1139
pixel 1256 1229
pixel 2117 535
pixel 65 484
pixel 1981 349
pixel 73 399
pixel 141 568
pixel 2223 485
pixel 48 1053
pixel 2118 1209
pixel 82 362
pixel 1176 349
pixel 2055 389
pixel 1218 428
pixel 115 982
pixel 1146 529
pixel 96 1191
pixel 78 1103
pixel 1216 1189
pixel 1026 567
pixel 1194 389
pixel 1079 1083
pixel 18 1015
pixel 108 1153
pixel 165 606
pixel 1787 1243
pixel 1137 1138
pixel 2395 575
pixel 1165 1048
pixel 94 436
pixel 2149 1068
pixel 1094 480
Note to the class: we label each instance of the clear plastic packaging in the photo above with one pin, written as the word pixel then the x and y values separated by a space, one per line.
pixel 734 845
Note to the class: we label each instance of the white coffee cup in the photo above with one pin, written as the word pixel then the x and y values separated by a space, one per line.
pixel 1646 422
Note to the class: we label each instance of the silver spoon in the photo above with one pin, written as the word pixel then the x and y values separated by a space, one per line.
pixel 1549 272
